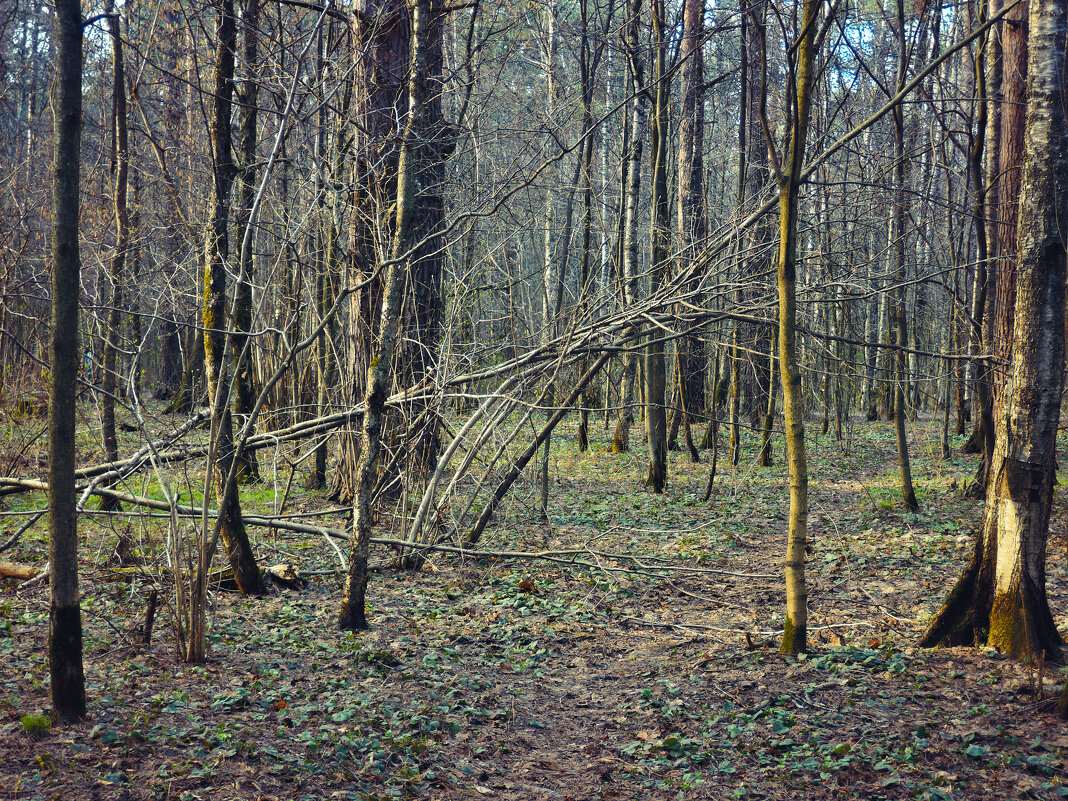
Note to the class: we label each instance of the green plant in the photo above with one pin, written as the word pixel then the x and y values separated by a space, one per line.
pixel 36 725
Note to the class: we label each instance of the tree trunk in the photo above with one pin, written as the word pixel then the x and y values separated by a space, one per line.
pixel 1002 593
pixel 121 161
pixel 655 363
pixel 898 214
pixel 245 386
pixel 64 614
pixel 328 266
pixel 423 147
pixel 586 280
pixel 381 102
pixel 734 354
pixel 234 535
pixel 795 634
pixel 629 239
pixel 982 438
pixel 692 215
pixel 551 270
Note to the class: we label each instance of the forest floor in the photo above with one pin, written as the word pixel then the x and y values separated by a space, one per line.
pixel 529 679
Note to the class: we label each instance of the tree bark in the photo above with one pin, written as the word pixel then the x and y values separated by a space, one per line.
pixel 795 634
pixel 234 535
pixel 383 44
pixel 629 239
pixel 692 215
pixel 898 214
pixel 655 373
pixel 245 386
pixel 420 133
pixel 586 280
pixel 64 616
pixel 1001 596
pixel 121 163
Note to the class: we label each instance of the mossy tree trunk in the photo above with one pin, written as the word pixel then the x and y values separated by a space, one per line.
pixel 245 385
pixel 232 529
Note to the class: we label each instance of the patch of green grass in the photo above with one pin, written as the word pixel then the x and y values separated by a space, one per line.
pixel 36 725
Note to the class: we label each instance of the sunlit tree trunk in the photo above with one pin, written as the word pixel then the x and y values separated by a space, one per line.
pixel 795 634
pixel 1001 595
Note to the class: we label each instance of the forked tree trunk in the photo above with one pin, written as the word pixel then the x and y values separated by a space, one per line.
pixel 232 531
pixel 1001 596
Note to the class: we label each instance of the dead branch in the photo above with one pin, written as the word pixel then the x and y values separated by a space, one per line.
pixel 17 571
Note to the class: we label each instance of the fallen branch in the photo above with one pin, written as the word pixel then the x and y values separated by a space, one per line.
pixel 16 571
pixel 566 557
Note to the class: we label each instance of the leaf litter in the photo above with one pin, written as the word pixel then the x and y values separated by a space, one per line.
pixel 495 678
